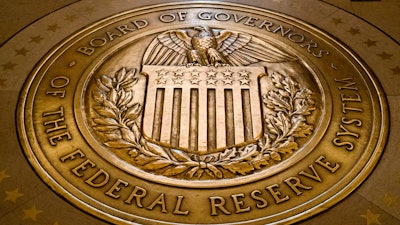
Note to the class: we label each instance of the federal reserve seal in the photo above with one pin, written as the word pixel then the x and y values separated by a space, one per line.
pixel 202 114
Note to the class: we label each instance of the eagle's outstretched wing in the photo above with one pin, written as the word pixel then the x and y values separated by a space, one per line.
pixel 242 49
pixel 168 48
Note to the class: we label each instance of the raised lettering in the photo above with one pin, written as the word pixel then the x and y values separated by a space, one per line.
pixel 315 176
pixel 296 38
pixel 294 183
pixel 263 203
pixel 85 50
pixel 273 190
pixel 266 24
pixel 82 167
pixel 349 98
pixel 327 165
pixel 204 15
pixel 59 137
pixel 182 16
pixel 338 142
pixel 282 29
pixel 116 188
pixel 112 35
pixel 59 82
pixel 250 21
pixel 348 121
pixel 220 205
pixel 178 205
pixel 99 179
pixel 140 23
pixel 138 193
pixel 222 16
pixel 98 42
pixel 71 156
pixel 160 200
pixel 124 29
pixel 167 18
pixel 346 132
pixel 348 85
pixel 346 108
pixel 239 203
pixel 238 19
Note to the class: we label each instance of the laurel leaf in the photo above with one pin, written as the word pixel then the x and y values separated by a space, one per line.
pixel 112 136
pixel 129 83
pixel 175 170
pixel 288 147
pixel 120 74
pixel 227 154
pixel 136 131
pixel 101 86
pixel 112 96
pixel 158 150
pixel 275 156
pixel 143 159
pixel 239 167
pixel 130 74
pixel 105 121
pixel 264 142
pixel 104 128
pixel 106 112
pixel 109 104
pixel 277 79
pixel 284 122
pixel 127 98
pixel 133 112
pixel 180 156
pixel 260 161
pixel 303 130
pixel 128 136
pixel 157 164
pixel 275 102
pixel 107 81
pixel 248 152
pixel 119 144
pixel 272 129
pixel 97 97
pixel 289 85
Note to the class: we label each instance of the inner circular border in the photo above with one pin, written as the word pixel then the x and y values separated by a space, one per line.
pixel 319 131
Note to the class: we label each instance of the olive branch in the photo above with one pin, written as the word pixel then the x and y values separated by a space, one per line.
pixel 118 119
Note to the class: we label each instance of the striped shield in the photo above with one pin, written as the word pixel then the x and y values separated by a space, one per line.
pixel 202 108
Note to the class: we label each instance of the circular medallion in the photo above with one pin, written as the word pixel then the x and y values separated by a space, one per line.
pixel 202 113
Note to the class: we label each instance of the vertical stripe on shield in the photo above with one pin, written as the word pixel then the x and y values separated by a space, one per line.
pixel 247 121
pixel 193 122
pixel 176 118
pixel 229 118
pixel 221 118
pixel 158 113
pixel 211 120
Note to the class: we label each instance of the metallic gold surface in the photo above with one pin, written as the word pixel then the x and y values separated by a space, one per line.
pixel 118 124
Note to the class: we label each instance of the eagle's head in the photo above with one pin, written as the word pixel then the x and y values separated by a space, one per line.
pixel 204 31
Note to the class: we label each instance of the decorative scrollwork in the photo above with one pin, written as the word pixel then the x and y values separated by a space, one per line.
pixel 118 116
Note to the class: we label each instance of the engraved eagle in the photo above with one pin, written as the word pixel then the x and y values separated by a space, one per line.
pixel 176 47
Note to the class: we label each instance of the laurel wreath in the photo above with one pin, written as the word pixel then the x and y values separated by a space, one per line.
pixel 118 116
